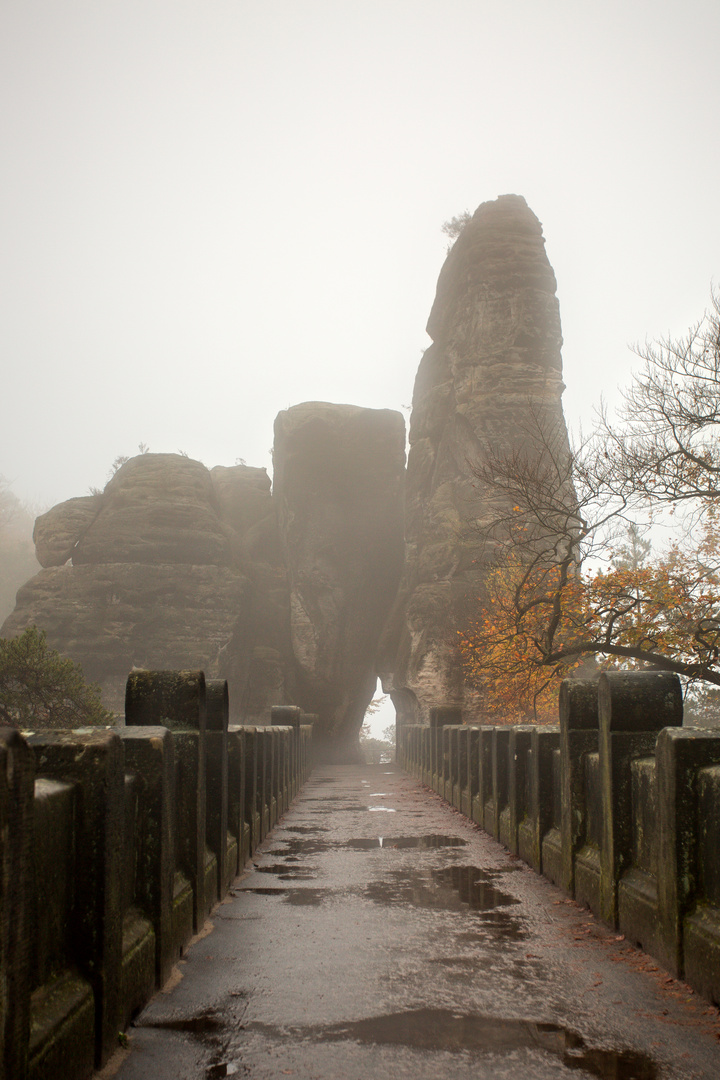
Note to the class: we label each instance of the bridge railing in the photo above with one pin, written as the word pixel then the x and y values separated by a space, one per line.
pixel 114 846
pixel 618 805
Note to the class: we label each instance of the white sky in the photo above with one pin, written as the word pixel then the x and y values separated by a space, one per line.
pixel 212 210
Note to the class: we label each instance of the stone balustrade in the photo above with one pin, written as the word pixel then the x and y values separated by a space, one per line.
pixel 115 844
pixel 618 805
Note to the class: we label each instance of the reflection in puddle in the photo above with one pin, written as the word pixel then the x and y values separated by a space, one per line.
pixel 453 888
pixel 444 1030
pixel 382 809
pixel 304 830
pixel 291 849
pixel 294 897
pixel 287 873
pixel 475 887
pixel 402 842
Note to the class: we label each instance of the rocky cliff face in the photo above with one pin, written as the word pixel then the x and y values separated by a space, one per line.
pixel 492 372
pixel 285 595
pixel 339 475
pixel 160 571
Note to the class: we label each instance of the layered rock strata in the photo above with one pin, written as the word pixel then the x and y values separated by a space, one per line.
pixel 493 376
pixel 162 570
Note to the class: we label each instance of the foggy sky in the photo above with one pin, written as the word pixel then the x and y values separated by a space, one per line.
pixel 213 210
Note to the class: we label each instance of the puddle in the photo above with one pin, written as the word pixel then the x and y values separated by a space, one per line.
pixel 381 809
pixel 202 1024
pixel 402 842
pixel 444 1030
pixel 378 794
pixel 455 889
pixel 304 830
pixel 294 897
pixel 475 887
pixel 292 849
pixel 287 873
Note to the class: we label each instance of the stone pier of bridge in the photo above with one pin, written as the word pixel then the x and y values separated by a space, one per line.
pixel 378 932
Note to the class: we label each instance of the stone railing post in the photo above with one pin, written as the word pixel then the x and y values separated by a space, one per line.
pixel 176 699
pixel 94 760
pixel 17 775
pixel 237 824
pixel 579 734
pixel 441 716
pixel 289 716
pixel 519 773
pixel 633 706
pixel 150 754
pixel 680 754
pixel 219 840
pixel 500 785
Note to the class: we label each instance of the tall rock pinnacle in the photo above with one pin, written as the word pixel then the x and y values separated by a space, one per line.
pixel 494 366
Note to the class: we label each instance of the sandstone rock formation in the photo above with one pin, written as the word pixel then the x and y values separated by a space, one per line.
pixel 285 594
pixel 339 474
pixel 176 566
pixel 161 577
pixel 493 370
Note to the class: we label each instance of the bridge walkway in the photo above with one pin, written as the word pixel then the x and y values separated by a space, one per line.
pixel 378 933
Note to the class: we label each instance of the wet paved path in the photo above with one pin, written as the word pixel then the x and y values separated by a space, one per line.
pixel 379 933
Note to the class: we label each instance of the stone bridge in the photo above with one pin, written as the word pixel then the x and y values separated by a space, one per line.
pixel 500 902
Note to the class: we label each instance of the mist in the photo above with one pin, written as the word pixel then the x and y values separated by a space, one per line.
pixel 212 212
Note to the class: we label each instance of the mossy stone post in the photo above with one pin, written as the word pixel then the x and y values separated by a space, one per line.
pixel 500 777
pixel 579 735
pixel 262 766
pixel 17 776
pixel 519 780
pixel 485 777
pixel 310 724
pixel 237 826
pixel 633 707
pixel 216 784
pixel 474 774
pixel 701 927
pixel 427 735
pixel 441 716
pixel 680 755
pixel 538 820
pixel 176 700
pixel 289 716
pixel 252 817
pixel 95 761
pixel 150 754
pixel 463 802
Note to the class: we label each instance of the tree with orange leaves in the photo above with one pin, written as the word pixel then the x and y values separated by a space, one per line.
pixel 570 576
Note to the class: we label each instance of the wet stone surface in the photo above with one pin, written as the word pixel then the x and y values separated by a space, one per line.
pixel 427 952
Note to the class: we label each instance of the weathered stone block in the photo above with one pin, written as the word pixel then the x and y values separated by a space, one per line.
pixel 17 770
pixel 95 762
pixel 150 754
pixel 633 707
pixel 177 700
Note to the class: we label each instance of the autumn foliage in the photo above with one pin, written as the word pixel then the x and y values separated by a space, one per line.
pixel 571 582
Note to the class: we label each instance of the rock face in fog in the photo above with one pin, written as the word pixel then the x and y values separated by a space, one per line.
pixel 172 567
pixel 178 566
pixel 492 372
pixel 175 565
pixel 339 475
